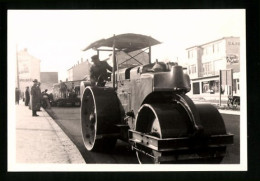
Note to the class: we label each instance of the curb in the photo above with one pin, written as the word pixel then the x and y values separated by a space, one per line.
pixel 220 110
pixel 73 153
pixel 229 112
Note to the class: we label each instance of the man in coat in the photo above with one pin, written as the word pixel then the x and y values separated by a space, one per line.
pixel 36 98
pixel 27 96
pixel 98 71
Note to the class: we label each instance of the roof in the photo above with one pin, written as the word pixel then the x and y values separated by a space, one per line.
pixel 125 42
pixel 223 38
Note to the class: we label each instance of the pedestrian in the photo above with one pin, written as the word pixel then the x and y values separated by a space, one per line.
pixel 72 87
pixel 63 89
pixel 36 99
pixel 27 96
pixel 98 71
pixel 46 100
pixel 17 95
pixel 39 93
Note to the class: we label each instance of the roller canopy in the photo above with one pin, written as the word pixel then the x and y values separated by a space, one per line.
pixel 125 42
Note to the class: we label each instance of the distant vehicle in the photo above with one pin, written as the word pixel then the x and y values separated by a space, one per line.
pixel 71 97
pixel 233 101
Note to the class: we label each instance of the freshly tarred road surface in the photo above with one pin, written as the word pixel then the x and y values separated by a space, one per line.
pixel 68 119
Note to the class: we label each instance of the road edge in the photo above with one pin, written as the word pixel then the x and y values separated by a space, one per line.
pixel 73 153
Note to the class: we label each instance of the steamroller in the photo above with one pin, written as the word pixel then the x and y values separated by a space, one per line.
pixel 145 104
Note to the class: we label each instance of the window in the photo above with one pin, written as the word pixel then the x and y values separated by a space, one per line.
pixel 205 51
pixel 207 68
pixel 196 88
pixel 217 47
pixel 192 69
pixel 205 87
pixel 211 87
pixel 190 54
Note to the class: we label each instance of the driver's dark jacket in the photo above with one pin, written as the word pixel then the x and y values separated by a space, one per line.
pixel 99 69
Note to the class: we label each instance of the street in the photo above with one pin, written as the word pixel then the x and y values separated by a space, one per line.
pixel 68 119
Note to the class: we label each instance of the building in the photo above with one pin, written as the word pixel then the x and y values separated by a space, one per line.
pixel 82 69
pixel 28 69
pixel 79 71
pixel 205 62
pixel 48 79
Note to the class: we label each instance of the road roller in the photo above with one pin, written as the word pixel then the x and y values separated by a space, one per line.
pixel 145 104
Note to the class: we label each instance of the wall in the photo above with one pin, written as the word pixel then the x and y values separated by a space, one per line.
pixel 194 59
pixel 29 69
pixel 218 55
pixel 70 74
pixel 79 71
pixel 233 54
pixel 49 77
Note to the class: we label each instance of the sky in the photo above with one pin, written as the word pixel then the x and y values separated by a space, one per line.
pixel 57 37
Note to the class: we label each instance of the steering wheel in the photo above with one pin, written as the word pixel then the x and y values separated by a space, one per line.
pixel 101 81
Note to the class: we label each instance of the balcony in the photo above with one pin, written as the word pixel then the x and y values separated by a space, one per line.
pixel 208 73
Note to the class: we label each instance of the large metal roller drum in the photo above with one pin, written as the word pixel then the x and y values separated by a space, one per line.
pixel 172 120
pixel 99 114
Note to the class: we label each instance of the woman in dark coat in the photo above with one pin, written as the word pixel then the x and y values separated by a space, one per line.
pixel 27 96
pixel 36 98
pixel 17 95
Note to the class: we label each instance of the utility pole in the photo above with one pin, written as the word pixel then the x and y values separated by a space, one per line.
pixel 220 84
pixel 17 66
pixel 114 64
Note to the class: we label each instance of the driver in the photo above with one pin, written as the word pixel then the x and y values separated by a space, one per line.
pixel 98 71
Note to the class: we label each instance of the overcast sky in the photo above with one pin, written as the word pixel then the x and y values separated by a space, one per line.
pixel 57 37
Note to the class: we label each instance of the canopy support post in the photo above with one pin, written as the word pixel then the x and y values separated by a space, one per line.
pixel 114 64
pixel 150 59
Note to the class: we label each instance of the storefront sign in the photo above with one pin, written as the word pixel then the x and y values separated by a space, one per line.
pixel 232 59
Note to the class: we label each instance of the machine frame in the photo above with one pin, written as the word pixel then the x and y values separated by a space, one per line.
pixel 161 90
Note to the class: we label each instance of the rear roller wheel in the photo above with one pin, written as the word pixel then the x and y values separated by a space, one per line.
pixel 98 118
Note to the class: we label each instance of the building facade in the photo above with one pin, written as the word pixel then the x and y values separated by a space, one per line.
pixel 79 71
pixel 48 79
pixel 205 62
pixel 28 69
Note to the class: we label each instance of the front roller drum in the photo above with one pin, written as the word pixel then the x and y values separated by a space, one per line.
pixel 99 114
pixel 163 134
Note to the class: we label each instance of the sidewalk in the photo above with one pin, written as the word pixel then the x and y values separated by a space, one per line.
pixel 41 140
pixel 224 111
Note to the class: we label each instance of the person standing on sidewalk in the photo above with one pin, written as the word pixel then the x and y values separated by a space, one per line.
pixel 36 99
pixel 27 96
pixel 39 93
pixel 17 95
